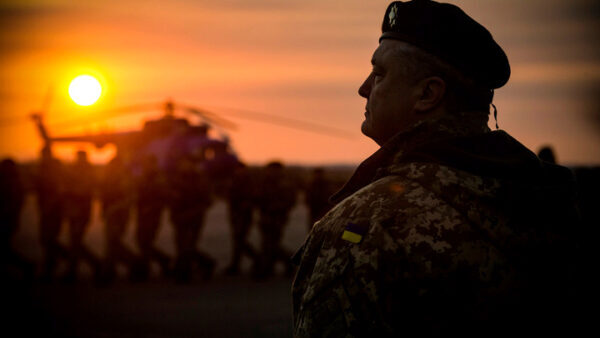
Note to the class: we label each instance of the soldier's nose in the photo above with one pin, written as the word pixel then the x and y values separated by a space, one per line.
pixel 365 88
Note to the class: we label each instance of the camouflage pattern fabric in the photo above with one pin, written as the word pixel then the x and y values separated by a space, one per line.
pixel 464 231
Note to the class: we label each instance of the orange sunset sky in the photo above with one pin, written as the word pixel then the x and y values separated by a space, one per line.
pixel 302 59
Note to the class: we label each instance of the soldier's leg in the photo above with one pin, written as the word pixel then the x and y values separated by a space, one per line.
pixel 78 227
pixel 268 247
pixel 14 267
pixel 89 257
pixel 75 246
pixel 156 254
pixel 206 263
pixel 10 256
pixel 277 232
pixel 163 260
pixel 282 254
pixel 245 224
pixel 109 254
pixel 124 254
pixel 279 253
pixel 142 237
pixel 49 263
pixel 183 249
pixel 11 259
pixel 203 259
pixel 112 230
pixel 53 251
pixel 147 230
pixel 236 242
pixel 138 265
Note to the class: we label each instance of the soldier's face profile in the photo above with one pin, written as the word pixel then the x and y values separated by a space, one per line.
pixel 389 92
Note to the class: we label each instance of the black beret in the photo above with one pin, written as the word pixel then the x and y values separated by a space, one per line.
pixel 447 32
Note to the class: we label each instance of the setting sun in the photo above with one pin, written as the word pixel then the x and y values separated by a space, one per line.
pixel 85 90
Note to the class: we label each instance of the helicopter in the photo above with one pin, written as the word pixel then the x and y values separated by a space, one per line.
pixel 168 139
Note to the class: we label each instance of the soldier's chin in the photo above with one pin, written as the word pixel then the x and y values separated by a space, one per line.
pixel 364 128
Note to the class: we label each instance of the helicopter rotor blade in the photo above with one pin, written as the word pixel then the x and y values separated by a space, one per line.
pixel 290 123
pixel 210 117
pixel 108 114
pixel 132 109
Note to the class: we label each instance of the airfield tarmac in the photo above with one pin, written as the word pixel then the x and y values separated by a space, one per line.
pixel 221 307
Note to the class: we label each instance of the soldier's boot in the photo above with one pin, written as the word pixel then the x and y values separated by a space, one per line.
pixel 106 275
pixel 139 271
pixel 232 270
pixel 164 262
pixel 206 263
pixel 209 270
pixel 48 268
pixel 182 271
pixel 70 277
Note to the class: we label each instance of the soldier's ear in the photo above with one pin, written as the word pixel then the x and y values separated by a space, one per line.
pixel 432 90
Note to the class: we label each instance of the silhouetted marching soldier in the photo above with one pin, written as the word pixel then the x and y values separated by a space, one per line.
pixel 117 199
pixel 151 199
pixel 79 190
pixel 275 199
pixel 51 199
pixel 191 197
pixel 12 195
pixel 241 207
pixel 317 196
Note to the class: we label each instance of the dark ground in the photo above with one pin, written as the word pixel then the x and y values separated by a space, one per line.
pixel 223 307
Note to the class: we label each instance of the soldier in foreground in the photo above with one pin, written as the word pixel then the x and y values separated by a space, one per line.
pixel 449 228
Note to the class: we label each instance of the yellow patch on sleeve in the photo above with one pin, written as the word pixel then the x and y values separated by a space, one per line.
pixel 351 237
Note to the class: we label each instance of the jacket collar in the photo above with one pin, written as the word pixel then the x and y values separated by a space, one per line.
pixel 377 165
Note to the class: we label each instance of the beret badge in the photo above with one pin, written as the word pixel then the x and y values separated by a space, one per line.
pixel 393 15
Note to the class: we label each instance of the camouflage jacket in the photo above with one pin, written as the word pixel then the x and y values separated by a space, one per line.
pixel 447 228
